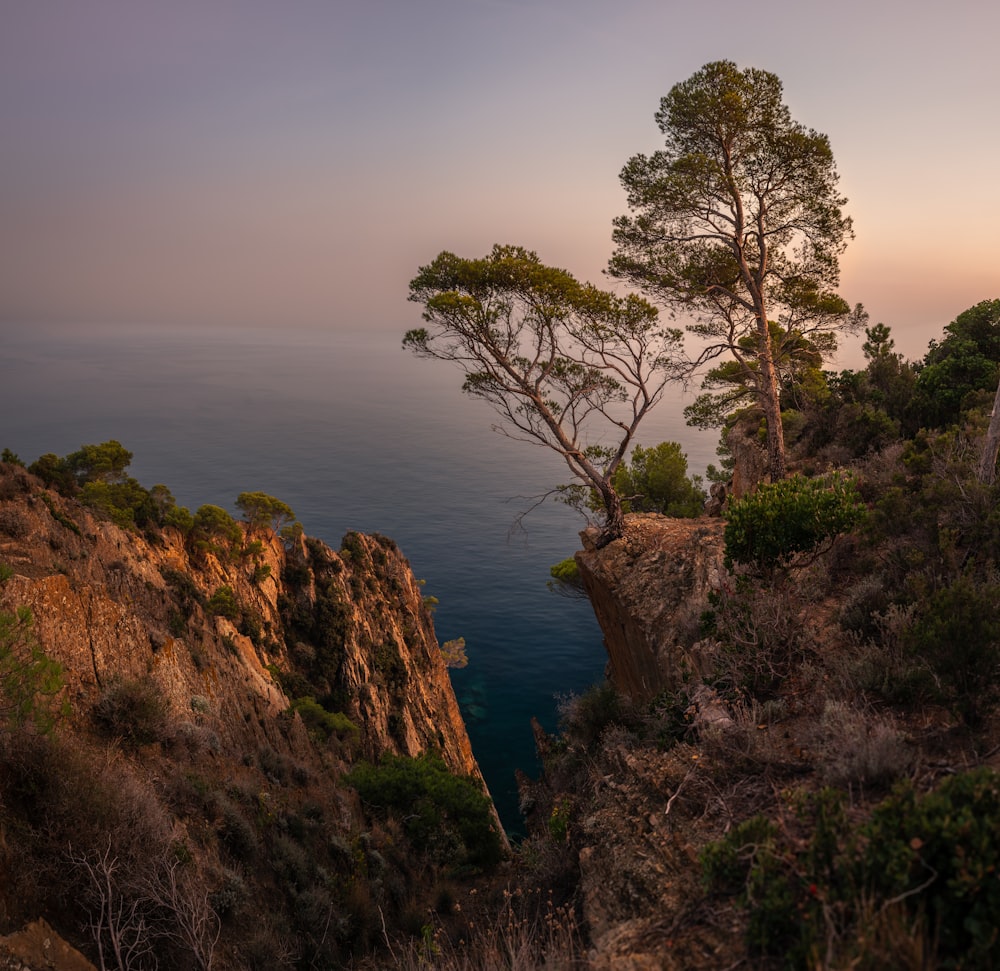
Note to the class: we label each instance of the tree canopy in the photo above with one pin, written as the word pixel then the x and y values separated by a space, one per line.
pixel 564 364
pixel 735 221
pixel 967 359
pixel 261 510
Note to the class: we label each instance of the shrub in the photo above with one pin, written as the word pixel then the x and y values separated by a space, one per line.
pixel 819 881
pixel 781 524
pixel 223 603
pixel 134 712
pixel 447 815
pixel 584 718
pixel 656 480
pixel 760 632
pixel 322 723
pixel 958 633
pixel 214 530
pixel 566 579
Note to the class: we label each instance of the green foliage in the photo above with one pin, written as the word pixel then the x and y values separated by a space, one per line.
pixel 261 510
pixel 446 815
pixel 59 516
pixel 783 522
pixel 453 653
pixel 655 480
pixel 957 631
pixel 223 603
pixel 29 681
pixel 106 462
pixel 95 474
pixel 126 503
pixel 733 387
pixel 559 819
pixel 819 872
pixel 214 530
pixel 966 361
pixel 10 458
pixel 321 723
pixel 584 718
pixel 566 578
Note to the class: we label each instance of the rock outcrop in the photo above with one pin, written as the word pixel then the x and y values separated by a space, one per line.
pixel 219 687
pixel 649 590
pixel 113 606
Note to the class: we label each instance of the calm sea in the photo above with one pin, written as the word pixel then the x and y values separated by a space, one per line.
pixel 353 433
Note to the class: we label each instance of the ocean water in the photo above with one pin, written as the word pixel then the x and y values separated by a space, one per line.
pixel 354 434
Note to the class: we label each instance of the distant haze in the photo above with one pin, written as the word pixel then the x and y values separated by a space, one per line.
pixel 293 164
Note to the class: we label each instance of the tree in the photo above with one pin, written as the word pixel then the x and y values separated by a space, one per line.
pixel 966 360
pixel 736 219
pixel 563 363
pixel 732 387
pixel 261 510
pixel 655 479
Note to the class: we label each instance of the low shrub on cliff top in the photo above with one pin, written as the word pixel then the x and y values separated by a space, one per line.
pixel 783 523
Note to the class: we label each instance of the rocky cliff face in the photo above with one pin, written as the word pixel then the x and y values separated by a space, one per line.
pixel 113 606
pixel 649 590
pixel 218 692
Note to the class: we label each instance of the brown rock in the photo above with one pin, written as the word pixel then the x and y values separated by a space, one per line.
pixel 39 948
pixel 649 590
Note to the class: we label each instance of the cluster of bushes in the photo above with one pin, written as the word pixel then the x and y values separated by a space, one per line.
pixel 447 817
pixel 818 886
pixel 96 476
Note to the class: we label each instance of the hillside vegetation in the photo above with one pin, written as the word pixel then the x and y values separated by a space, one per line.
pixel 796 763
pixel 815 782
pixel 222 743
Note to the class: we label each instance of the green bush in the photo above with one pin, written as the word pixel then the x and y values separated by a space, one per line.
pixel 655 480
pixel 446 815
pixel 957 632
pixel 29 681
pixel 223 603
pixel 781 523
pixel 936 854
pixel 567 579
pixel 322 723
pixel 214 530
pixel 583 718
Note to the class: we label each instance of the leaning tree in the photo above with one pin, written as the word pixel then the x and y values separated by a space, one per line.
pixel 737 222
pixel 565 365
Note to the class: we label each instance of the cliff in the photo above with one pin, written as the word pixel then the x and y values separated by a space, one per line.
pixel 225 688
pixel 649 590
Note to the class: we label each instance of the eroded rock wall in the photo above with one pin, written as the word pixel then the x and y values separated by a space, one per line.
pixel 114 606
pixel 649 590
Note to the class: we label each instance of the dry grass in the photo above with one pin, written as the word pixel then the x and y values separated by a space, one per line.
pixel 524 932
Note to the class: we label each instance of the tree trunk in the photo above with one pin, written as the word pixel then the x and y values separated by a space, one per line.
pixel 771 403
pixel 988 462
pixel 614 521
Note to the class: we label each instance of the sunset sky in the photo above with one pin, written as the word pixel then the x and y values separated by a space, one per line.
pixel 293 163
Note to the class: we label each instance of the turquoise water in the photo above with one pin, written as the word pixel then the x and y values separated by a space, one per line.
pixel 353 433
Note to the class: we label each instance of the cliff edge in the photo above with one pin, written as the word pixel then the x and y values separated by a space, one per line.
pixel 219 687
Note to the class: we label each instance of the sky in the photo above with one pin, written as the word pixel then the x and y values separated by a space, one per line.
pixel 292 164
